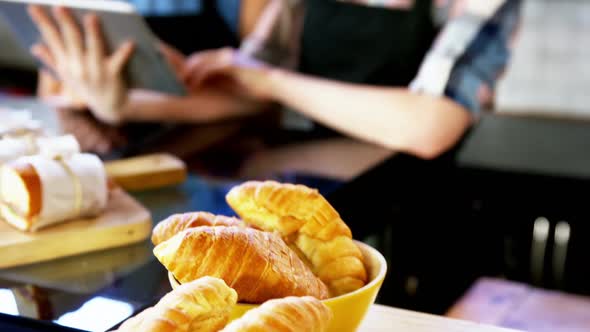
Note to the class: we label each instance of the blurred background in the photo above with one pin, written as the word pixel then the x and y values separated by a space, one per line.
pixel 549 74
pixel 534 232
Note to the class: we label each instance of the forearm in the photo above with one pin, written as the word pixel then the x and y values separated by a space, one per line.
pixel 391 117
pixel 205 106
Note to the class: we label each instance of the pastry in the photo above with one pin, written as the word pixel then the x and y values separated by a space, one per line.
pixel 290 314
pixel 257 264
pixel 307 222
pixel 203 305
pixel 37 191
pixel 176 223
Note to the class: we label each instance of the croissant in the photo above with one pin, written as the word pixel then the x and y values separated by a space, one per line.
pixel 308 222
pixel 174 224
pixel 202 305
pixel 257 264
pixel 290 314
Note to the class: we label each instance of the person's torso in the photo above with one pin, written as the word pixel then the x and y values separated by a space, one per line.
pixel 359 43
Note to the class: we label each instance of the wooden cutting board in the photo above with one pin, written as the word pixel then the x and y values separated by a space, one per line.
pixel 124 221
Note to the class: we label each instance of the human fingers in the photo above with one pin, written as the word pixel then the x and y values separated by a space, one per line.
pixel 47 85
pixel 174 57
pixel 71 34
pixel 42 52
pixel 201 68
pixel 64 102
pixel 94 40
pixel 193 64
pixel 48 30
pixel 120 57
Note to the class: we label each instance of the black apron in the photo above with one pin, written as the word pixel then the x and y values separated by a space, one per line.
pixel 367 45
pixel 370 45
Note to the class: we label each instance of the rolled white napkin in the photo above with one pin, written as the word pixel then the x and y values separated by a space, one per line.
pixel 12 148
pixel 37 191
pixel 60 146
pixel 15 123
pixel 51 147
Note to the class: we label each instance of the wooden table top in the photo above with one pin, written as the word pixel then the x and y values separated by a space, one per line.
pixel 382 318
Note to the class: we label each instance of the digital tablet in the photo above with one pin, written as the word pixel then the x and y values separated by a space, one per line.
pixel 147 69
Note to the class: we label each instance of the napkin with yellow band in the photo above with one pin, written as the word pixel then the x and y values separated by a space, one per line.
pixel 16 123
pixel 59 146
pixel 39 191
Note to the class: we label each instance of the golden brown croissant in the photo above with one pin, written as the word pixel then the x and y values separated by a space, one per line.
pixel 307 221
pixel 202 305
pixel 257 264
pixel 290 314
pixel 176 223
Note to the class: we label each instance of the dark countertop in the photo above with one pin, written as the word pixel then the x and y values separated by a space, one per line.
pixel 547 146
pixel 529 145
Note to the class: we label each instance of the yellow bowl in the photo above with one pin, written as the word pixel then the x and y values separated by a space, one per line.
pixel 348 309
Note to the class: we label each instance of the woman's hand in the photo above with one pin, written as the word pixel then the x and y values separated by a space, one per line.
pixel 80 60
pixel 53 92
pixel 174 57
pixel 73 118
pixel 246 74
